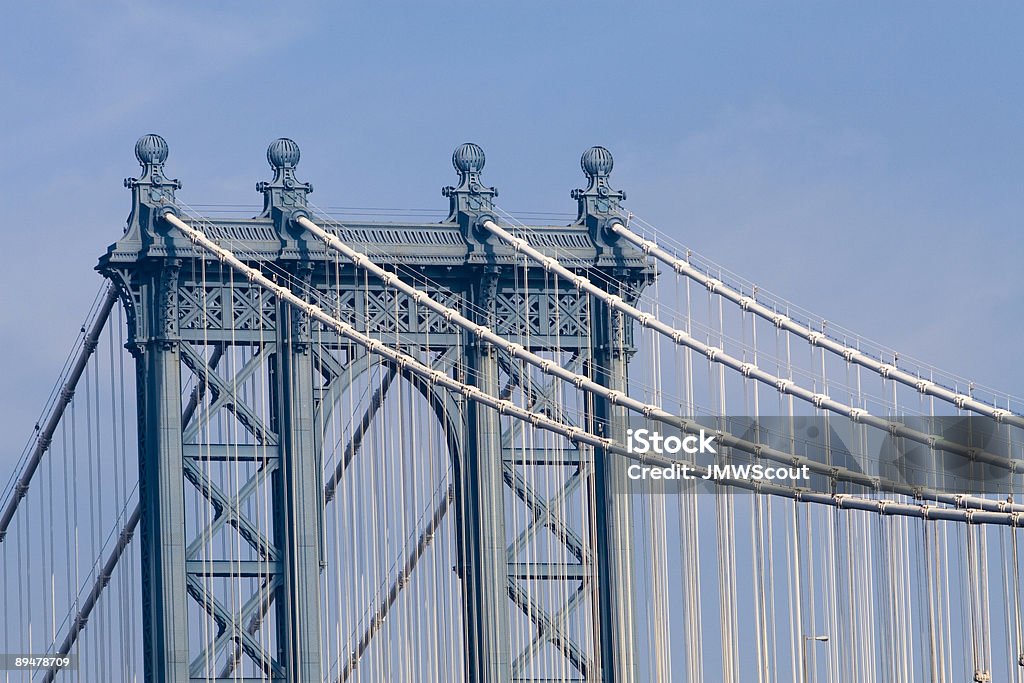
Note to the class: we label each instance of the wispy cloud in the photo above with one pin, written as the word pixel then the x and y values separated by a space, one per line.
pixel 123 59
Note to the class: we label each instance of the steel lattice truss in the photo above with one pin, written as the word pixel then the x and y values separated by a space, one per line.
pixel 283 362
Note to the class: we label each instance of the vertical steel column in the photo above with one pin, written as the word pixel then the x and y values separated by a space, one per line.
pixel 485 562
pixel 162 484
pixel 481 501
pixel 149 289
pixel 298 504
pixel 614 542
pixel 598 208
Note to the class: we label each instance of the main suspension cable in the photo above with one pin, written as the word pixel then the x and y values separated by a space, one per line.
pixel 67 392
pixel 785 322
pixel 718 355
pixel 410 364
pixel 582 382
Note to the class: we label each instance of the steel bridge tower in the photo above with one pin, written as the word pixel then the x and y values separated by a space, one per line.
pixel 186 315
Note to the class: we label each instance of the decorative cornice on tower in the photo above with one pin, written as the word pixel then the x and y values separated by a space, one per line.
pixel 151 151
pixel 284 197
pixel 471 202
pixel 598 204
pixel 598 200
pixel 152 191
pixel 284 193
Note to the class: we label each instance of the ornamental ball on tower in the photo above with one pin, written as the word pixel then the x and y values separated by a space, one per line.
pixel 468 158
pixel 597 161
pixel 283 153
pixel 151 149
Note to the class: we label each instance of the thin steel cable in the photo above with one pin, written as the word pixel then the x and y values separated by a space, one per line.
pixel 707 268
pixel 521 352
pixel 44 437
pixel 817 339
pixel 573 433
pixel 718 355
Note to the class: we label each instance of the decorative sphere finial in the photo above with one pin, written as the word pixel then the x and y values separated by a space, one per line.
pixel 151 149
pixel 283 153
pixel 468 158
pixel 597 161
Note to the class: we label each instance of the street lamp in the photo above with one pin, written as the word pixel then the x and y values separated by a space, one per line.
pixel 803 648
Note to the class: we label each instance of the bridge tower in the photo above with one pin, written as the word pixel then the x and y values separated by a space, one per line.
pixel 231 382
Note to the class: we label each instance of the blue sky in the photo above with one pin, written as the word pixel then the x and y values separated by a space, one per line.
pixel 863 160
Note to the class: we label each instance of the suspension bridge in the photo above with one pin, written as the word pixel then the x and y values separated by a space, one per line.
pixel 307 447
